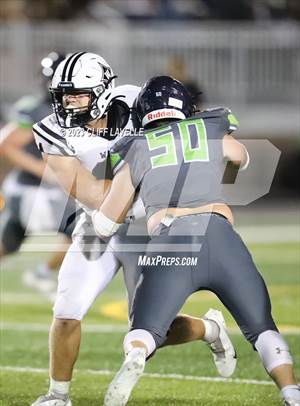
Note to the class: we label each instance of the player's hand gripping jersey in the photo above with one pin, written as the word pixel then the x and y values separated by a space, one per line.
pixel 160 161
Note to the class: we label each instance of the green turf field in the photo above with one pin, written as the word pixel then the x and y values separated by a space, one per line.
pixel 182 375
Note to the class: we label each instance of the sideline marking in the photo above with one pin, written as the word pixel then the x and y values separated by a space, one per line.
pixel 146 375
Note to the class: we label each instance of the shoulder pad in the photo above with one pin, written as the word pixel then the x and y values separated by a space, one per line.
pixel 52 137
pixel 224 113
pixel 126 93
pixel 214 112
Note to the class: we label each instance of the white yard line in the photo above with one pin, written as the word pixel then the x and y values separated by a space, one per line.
pixel 147 375
pixel 251 234
pixel 114 328
pixel 269 233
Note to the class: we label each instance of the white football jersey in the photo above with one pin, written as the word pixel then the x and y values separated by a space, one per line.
pixel 90 148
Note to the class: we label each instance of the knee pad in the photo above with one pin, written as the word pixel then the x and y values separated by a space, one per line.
pixel 139 335
pixel 64 314
pixel 273 350
pixel 69 309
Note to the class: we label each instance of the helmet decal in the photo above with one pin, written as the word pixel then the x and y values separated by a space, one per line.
pixel 162 114
pixel 72 64
pixel 163 98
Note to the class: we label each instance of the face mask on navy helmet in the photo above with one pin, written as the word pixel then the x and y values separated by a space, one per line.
pixel 82 73
pixel 163 98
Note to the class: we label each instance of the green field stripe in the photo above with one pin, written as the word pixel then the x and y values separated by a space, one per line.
pixel 43 327
pixel 146 375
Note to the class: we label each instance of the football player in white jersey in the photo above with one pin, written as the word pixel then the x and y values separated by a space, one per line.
pixel 74 141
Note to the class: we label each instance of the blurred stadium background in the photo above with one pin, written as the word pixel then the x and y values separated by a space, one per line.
pixel 242 54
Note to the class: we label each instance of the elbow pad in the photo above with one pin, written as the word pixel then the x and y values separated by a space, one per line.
pixel 103 226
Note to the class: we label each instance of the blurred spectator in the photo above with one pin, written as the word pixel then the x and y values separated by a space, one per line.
pixel 12 10
pixel 140 10
pixel 205 9
pixel 293 9
pixel 230 9
pixel 177 69
pixel 42 9
pixel 178 9
pixel 133 8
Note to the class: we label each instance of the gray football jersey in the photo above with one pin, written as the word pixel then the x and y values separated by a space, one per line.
pixel 26 112
pixel 180 164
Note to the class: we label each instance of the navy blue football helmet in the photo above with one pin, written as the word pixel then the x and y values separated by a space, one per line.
pixel 162 98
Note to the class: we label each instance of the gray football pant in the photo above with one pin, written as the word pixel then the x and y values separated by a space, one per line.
pixel 129 243
pixel 224 266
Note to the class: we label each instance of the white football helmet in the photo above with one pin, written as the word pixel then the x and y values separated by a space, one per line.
pixel 82 73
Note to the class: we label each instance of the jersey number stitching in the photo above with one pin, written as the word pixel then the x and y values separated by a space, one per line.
pixel 167 141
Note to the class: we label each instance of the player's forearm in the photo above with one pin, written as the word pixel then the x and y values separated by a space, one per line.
pixel 27 162
pixel 91 192
pixel 6 132
pixel 110 216
pixel 120 197
pixel 246 159
pixel 77 181
pixel 84 187
pixel 117 214
pixel 240 158
pixel 113 211
pixel 235 152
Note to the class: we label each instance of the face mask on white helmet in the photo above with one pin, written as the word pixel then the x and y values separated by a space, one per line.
pixel 81 89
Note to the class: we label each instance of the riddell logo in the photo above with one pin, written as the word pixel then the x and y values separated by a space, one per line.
pixel 161 114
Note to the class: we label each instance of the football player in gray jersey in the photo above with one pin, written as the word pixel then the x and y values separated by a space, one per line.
pixel 23 185
pixel 88 113
pixel 178 169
